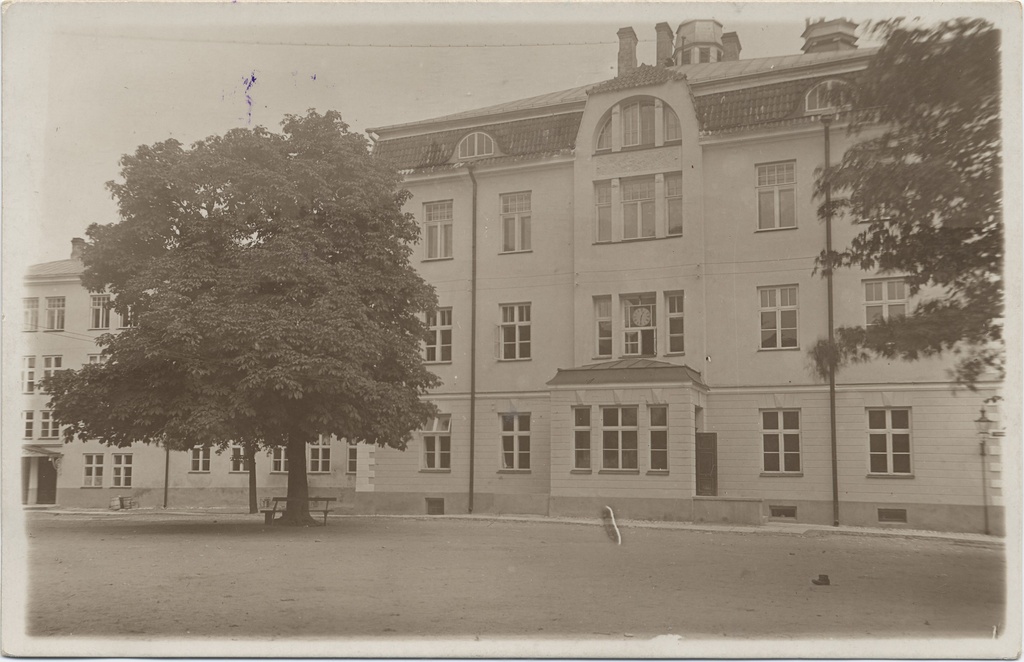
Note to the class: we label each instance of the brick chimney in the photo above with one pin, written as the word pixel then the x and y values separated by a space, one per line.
pixel 664 47
pixel 77 246
pixel 627 50
pixel 730 46
pixel 829 36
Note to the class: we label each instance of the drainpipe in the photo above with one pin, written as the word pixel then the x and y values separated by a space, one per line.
pixel 472 349
pixel 826 122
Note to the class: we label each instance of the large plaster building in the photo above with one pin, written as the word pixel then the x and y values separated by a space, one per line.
pixel 627 296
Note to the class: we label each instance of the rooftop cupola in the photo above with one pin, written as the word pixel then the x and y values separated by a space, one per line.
pixel 824 36
pixel 699 41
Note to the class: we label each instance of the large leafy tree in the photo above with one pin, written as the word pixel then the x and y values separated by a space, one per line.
pixel 926 182
pixel 273 301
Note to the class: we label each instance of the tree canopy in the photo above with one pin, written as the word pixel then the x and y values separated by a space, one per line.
pixel 926 182
pixel 268 279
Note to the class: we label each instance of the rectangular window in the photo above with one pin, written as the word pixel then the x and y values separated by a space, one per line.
pixel 686 57
pixel 659 438
pixel 320 455
pixel 437 443
pixel 581 437
pixel 47 426
pixel 776 195
pixel 638 124
pixel 515 332
pixel 93 470
pixel 100 312
pixel 674 203
pixel 127 320
pixel 603 319
pixel 55 313
pixel 780 436
pixel 51 364
pixel 884 300
pixel 889 441
pixel 238 462
pixel 28 374
pixel 279 460
pixel 515 222
pixel 641 322
pixel 704 54
pixel 353 459
pixel 439 341
pixel 603 204
pixel 778 317
pixel 200 460
pixel 122 470
pixel 97 358
pixel 638 208
pixel 29 419
pixel 676 337
pixel 437 226
pixel 515 441
pixel 30 319
pixel 618 437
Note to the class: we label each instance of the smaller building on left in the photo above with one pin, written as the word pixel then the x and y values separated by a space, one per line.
pixel 61 322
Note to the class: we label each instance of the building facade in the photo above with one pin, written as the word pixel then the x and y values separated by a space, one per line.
pixel 627 296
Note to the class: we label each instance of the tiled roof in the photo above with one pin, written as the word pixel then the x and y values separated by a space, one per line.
pixel 643 75
pixel 720 71
pixel 627 371
pixel 755 105
pixel 70 267
pixel 534 136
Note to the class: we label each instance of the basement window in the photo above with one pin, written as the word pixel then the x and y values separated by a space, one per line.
pixel 892 515
pixel 435 506
pixel 782 512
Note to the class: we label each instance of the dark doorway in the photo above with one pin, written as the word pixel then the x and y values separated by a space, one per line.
pixel 26 473
pixel 47 491
pixel 707 464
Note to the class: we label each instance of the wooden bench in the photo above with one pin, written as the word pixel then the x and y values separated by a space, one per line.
pixel 269 513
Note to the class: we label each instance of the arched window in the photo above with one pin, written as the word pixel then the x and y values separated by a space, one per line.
pixel 827 95
pixel 672 128
pixel 476 145
pixel 638 124
pixel 604 137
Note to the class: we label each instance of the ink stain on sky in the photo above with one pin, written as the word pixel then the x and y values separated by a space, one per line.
pixel 249 81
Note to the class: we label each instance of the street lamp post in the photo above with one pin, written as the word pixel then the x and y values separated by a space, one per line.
pixel 826 122
pixel 984 424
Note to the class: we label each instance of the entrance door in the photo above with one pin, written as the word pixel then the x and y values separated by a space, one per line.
pixel 707 464
pixel 47 492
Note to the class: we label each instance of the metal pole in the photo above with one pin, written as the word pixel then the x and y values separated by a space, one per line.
pixel 826 122
pixel 984 487
pixel 472 350
pixel 167 469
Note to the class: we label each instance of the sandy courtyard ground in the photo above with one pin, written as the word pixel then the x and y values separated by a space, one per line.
pixel 393 577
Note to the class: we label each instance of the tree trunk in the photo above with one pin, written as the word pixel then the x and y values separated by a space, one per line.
pixel 250 459
pixel 297 513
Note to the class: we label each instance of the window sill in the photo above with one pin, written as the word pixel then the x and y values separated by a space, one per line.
pixel 791 227
pixel 241 471
pixel 120 487
pixel 436 259
pixel 581 471
pixel 53 330
pixel 350 473
pixel 637 356
pixel 778 349
pixel 280 473
pixel 781 474
pixel 633 472
pixel 599 152
pixel 675 354
pixel 29 330
pixel 99 328
pixel 319 473
pixel 425 362
pixel 607 357
pixel 91 487
pixel 630 240
pixel 435 471
pixel 896 476
pixel 200 472
pixel 514 471
pixel 528 250
pixel 636 239
pixel 637 148
pixel 657 472
pixel 514 360
pixel 671 143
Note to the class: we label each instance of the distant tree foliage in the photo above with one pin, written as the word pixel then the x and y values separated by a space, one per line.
pixel 269 279
pixel 927 184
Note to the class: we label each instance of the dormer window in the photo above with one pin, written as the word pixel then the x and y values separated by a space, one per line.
pixel 638 124
pixel 476 145
pixel 826 96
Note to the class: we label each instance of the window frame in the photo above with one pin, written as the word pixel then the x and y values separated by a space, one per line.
pixel 673 197
pixel 777 309
pixel 645 208
pixel 620 431
pixel 886 302
pixel 889 432
pixel 657 432
pixel 278 460
pixel 438 322
pixel 30 314
pixel 199 456
pixel 93 470
pixel 773 184
pixel 600 318
pixel 520 219
pixel 351 459
pixel 635 125
pixel 320 455
pixel 28 374
pixel 630 305
pixel 582 431
pixel 55 313
pixel 828 85
pixel 512 437
pixel 437 444
pixel 51 364
pixel 672 314
pixel 28 420
pixel 517 325
pixel 603 212
pixel 121 474
pixel 438 216
pixel 781 431
pixel 48 428
pixel 672 125
pixel 604 135
pixel 476 151
pixel 237 459
pixel 99 312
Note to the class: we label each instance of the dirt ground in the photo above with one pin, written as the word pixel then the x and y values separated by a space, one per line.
pixel 394 577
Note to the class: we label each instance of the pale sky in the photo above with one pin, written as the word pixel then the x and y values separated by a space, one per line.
pixel 86 83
